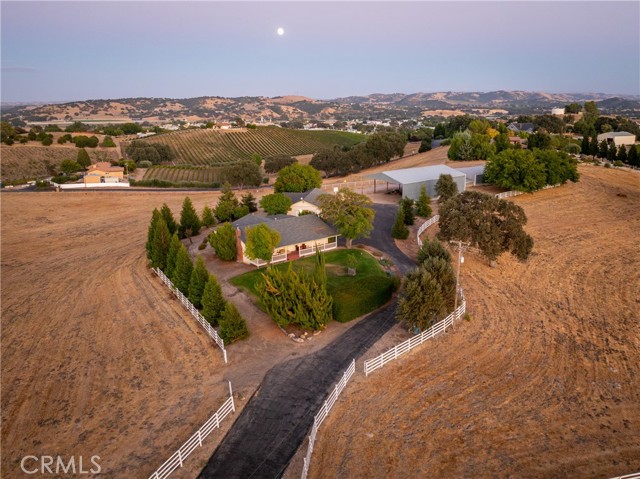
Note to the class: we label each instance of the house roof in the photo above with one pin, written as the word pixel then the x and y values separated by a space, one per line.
pixel 292 229
pixel 416 175
pixel 523 126
pixel 310 196
pixel 613 134
pixel 104 166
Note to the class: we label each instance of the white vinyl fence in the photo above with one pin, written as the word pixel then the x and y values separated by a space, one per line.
pixel 324 412
pixel 178 457
pixel 635 475
pixel 508 194
pixel 194 312
pixel 406 346
pixel 424 226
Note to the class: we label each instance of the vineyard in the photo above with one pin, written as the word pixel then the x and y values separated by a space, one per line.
pixel 183 174
pixel 219 148
pixel 27 161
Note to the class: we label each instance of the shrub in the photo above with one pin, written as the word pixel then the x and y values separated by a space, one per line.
pixel 276 203
pixel 233 327
pixel 400 230
pixel 213 302
pixel 223 242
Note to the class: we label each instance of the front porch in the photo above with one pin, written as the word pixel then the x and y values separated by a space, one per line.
pixel 293 252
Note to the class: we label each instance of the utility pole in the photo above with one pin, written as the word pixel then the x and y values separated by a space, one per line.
pixel 460 261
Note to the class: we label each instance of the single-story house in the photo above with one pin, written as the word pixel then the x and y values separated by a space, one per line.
pixel 516 140
pixel 103 172
pixel 299 236
pixel 306 201
pixel 618 138
pixel 411 180
pixel 524 127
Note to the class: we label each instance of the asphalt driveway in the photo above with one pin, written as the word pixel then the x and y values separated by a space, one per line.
pixel 276 420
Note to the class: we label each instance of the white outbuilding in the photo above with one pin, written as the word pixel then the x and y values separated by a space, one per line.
pixel 618 138
pixel 410 180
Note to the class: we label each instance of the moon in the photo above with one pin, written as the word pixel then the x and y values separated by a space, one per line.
pixel 280 31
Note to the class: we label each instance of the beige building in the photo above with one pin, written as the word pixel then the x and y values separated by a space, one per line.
pixel 103 172
pixel 618 138
pixel 305 202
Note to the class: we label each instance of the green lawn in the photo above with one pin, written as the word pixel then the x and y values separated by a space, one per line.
pixel 353 296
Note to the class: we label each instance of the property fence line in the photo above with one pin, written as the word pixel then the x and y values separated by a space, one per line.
pixel 508 194
pixel 194 312
pixel 406 346
pixel 635 475
pixel 324 412
pixel 424 226
pixel 178 457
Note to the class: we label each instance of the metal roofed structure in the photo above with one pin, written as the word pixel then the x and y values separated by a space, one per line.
pixel 411 180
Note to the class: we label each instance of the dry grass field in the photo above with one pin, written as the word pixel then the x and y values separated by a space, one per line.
pixel 98 359
pixel 543 381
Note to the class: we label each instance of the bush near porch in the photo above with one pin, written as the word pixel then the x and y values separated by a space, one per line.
pixel 353 296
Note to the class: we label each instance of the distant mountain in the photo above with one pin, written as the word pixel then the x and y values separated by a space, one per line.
pixel 285 108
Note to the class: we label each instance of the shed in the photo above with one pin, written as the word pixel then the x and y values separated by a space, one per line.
pixel 411 180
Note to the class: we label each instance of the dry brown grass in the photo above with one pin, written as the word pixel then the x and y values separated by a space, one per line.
pixel 542 382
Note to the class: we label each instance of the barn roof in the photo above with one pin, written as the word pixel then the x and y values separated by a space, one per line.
pixel 416 175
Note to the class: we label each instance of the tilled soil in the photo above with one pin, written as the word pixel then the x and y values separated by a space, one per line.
pixel 543 381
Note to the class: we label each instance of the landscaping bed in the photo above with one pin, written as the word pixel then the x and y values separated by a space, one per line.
pixel 353 296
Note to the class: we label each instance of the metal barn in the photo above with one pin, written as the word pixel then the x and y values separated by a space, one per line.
pixel 410 180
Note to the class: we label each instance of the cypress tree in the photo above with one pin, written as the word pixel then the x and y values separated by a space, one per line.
pixel 407 205
pixel 161 241
pixel 233 327
pixel 199 277
pixel 320 272
pixel 433 249
pixel 622 154
pixel 603 149
pixel 172 255
pixel 593 146
pixel 155 216
pixel 400 230
pixel 189 221
pixel 182 272
pixel 423 206
pixel 611 154
pixel 208 219
pixel 584 147
pixel 166 213
pixel 212 301
pixel 633 157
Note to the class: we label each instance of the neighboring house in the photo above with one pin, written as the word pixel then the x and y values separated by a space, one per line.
pixel 299 236
pixel 223 126
pixel 103 172
pixel 521 127
pixel 557 111
pixel 516 140
pixel 618 138
pixel 307 201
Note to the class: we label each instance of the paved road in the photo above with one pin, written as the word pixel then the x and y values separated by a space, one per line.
pixel 275 422
pixel 381 237
pixel 278 417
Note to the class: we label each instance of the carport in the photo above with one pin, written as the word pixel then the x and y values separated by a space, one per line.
pixel 410 180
